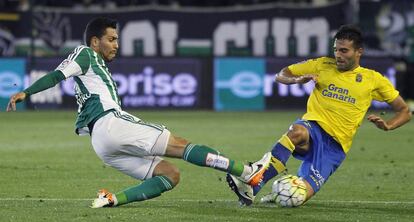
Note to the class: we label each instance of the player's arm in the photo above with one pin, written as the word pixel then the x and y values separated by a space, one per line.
pixel 46 82
pixel 77 63
pixel 286 76
pixel 402 115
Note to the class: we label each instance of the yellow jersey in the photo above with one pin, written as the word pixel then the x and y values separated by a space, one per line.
pixel 340 100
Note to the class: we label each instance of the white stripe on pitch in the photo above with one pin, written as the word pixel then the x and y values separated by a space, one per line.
pixel 219 200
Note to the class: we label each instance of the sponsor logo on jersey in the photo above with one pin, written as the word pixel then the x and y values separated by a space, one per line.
pixel 81 98
pixel 338 93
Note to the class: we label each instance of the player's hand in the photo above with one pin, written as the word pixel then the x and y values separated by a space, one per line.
pixel 306 78
pixel 18 97
pixel 379 122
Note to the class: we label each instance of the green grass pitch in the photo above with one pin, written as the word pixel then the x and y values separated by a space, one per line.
pixel 47 173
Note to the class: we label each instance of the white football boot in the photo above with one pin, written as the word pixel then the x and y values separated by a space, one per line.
pixel 258 168
pixel 243 190
pixel 104 199
pixel 243 186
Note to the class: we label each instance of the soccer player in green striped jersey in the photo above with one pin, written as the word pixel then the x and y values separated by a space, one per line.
pixel 122 140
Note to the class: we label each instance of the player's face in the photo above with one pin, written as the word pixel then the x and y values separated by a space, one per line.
pixel 347 57
pixel 108 44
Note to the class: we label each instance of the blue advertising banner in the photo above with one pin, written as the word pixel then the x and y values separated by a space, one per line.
pixel 12 73
pixel 142 83
pixel 239 84
pixel 248 84
pixel 158 83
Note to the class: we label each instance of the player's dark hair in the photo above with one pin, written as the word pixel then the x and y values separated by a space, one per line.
pixel 352 33
pixel 96 27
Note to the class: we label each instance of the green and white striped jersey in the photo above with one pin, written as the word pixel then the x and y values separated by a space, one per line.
pixel 95 90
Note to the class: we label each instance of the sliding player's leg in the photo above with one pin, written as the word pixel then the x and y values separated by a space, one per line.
pixel 295 140
pixel 321 161
pixel 126 144
pixel 273 163
pixel 158 177
pixel 129 145
pixel 139 137
pixel 205 156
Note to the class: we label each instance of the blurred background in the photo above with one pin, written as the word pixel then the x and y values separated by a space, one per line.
pixel 211 55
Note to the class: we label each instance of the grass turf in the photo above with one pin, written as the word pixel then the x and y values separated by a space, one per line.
pixel 47 173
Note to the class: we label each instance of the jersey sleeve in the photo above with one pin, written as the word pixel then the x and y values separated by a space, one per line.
pixel 46 82
pixel 305 67
pixel 76 64
pixel 384 91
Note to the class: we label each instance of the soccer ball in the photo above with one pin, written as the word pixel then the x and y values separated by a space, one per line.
pixel 289 191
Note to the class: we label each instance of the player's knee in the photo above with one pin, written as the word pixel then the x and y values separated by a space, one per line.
pixel 176 146
pixel 173 174
pixel 165 168
pixel 298 134
pixel 177 141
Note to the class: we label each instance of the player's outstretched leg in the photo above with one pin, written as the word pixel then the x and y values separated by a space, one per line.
pixel 279 155
pixel 205 156
pixel 202 155
pixel 240 186
pixel 272 163
pixel 165 176
pixel 148 189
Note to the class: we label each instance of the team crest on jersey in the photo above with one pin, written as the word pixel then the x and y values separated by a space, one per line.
pixel 358 77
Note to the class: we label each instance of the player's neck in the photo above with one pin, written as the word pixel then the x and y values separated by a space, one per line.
pixel 349 70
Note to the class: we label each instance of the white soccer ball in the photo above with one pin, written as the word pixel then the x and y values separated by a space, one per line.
pixel 289 191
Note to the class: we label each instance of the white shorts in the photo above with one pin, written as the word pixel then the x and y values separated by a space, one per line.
pixel 128 144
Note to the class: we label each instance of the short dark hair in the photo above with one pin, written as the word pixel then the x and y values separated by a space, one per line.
pixel 352 33
pixel 97 27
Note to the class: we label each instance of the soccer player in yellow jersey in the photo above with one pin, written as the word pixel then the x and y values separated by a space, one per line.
pixel 336 107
